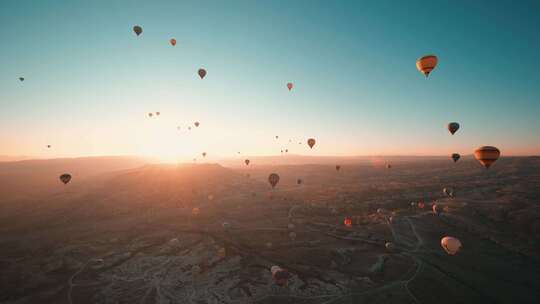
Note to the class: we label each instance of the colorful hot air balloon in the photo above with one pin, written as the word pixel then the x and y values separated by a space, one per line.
pixel 426 64
pixel 338 167
pixel 311 142
pixel 21 78
pixel 289 86
pixel 247 162
pixel 173 41
pixel 65 178
pixel 273 179
pixel 453 127
pixel 487 155
pixel 137 29
pixel 202 73
pixel 196 124
pixel 347 222
pixel 456 157
pixel 451 245
pixel 280 276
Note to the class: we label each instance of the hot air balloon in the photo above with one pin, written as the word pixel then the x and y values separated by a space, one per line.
pixel 277 136
pixel 49 146
pixel 189 128
pixel 388 166
pixel 453 127
pixel 21 78
pixel 247 162
pixel 222 252
pixel 202 73
pixel 421 205
pixel 268 245
pixel 173 41
pixel 299 181
pixel 487 155
pixel 150 114
pixel 426 64
pixel 280 276
pixel 338 167
pixel 456 157
pixel 380 210
pixel 195 211
pixel 65 178
pixel 197 124
pixel 273 179
pixel 286 150
pixel 347 222
pixel 204 154
pixel 210 197
pixel 157 113
pixel 137 29
pixel 311 142
pixel 289 86
pixel 451 245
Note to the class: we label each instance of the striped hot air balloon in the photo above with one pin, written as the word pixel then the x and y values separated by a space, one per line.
pixel 426 64
pixel 487 155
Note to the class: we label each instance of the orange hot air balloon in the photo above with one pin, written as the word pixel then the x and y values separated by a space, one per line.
pixel 289 86
pixel 197 124
pixel 173 41
pixel 273 179
pixel 338 167
pixel 137 29
pixel 453 127
pixel 451 245
pixel 456 157
pixel 65 178
pixel 426 64
pixel 347 222
pixel 487 155
pixel 202 73
pixel 311 142
pixel 247 162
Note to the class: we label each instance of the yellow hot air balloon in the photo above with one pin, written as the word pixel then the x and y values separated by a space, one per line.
pixel 451 245
pixel 311 142
pixel 426 64
pixel 487 155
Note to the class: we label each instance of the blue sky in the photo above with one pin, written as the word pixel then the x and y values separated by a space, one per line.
pixel 90 81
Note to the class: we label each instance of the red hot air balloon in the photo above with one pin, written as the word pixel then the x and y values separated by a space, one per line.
pixel 487 155
pixel 451 245
pixel 280 276
pixel 453 127
pixel 65 178
pixel 311 142
pixel 202 73
pixel 137 29
pixel 173 41
pixel 247 162
pixel 456 157
pixel 347 222
pixel 273 179
pixel 289 86
pixel 426 64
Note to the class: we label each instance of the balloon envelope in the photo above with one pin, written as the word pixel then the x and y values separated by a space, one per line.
pixel 247 162
pixel 289 86
pixel 273 179
pixel 65 178
pixel 338 167
pixel 202 73
pixel 453 127
pixel 21 78
pixel 137 29
pixel 456 157
pixel 487 155
pixel 311 142
pixel 426 64
pixel 451 245
pixel 196 124
pixel 173 41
